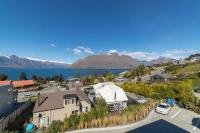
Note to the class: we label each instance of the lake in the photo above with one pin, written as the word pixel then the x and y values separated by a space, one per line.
pixel 13 73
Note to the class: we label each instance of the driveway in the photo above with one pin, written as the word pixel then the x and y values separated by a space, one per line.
pixel 178 121
pixel 197 95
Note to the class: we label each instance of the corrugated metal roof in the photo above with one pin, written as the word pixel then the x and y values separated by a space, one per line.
pixel 20 83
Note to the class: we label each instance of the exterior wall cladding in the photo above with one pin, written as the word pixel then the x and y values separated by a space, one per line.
pixel 6 99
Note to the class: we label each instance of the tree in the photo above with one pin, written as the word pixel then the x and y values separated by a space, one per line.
pixel 78 75
pixel 109 76
pixel 61 79
pixel 34 77
pixel 22 76
pixel 101 108
pixel 72 122
pixel 55 127
pixel 3 77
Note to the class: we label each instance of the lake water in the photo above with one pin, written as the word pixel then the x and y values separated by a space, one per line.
pixel 13 73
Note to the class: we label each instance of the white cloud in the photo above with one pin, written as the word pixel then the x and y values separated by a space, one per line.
pixel 85 50
pixel 44 60
pixel 77 51
pixel 112 51
pixel 53 45
pixel 80 49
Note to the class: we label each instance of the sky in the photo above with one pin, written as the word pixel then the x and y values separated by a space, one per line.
pixel 67 30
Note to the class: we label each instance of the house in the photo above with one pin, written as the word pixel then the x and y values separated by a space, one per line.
pixel 7 99
pixel 59 105
pixel 18 84
pixel 113 95
pixel 74 83
pixel 157 78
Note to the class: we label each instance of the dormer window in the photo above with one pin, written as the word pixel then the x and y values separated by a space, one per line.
pixel 67 101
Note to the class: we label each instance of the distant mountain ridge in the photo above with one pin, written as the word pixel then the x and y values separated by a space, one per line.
pixel 159 60
pixel 114 61
pixel 14 61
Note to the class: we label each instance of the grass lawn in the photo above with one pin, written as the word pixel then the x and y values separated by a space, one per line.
pixel 189 69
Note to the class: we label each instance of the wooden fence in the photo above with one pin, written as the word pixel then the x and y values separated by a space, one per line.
pixel 9 119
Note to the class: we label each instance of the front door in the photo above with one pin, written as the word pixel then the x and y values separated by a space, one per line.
pixel 44 121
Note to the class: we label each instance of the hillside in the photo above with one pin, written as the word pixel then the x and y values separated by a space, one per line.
pixel 19 62
pixel 190 69
pixel 113 61
pixel 185 69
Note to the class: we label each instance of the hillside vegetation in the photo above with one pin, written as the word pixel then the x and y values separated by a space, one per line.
pixel 186 69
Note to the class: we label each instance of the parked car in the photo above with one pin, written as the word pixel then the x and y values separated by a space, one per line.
pixel 163 108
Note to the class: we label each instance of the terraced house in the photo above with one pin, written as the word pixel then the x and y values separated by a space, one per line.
pixel 59 105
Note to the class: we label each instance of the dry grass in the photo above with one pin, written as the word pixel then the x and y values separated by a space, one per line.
pixel 130 115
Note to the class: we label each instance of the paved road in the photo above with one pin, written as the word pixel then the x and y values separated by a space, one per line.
pixel 178 121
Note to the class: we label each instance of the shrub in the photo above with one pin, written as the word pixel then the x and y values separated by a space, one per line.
pixel 72 122
pixel 101 108
pixel 55 127
pixel 9 131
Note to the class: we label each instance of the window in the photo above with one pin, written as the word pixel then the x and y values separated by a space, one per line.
pixel 66 101
pixel 73 101
pixel 86 109
pixel 74 112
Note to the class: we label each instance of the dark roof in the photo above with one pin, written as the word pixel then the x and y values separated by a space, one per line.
pixel 54 100
pixel 81 95
pixel 69 96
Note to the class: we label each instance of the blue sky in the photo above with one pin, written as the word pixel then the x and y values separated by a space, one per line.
pixel 67 30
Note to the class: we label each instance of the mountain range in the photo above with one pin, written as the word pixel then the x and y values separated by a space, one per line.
pixel 14 61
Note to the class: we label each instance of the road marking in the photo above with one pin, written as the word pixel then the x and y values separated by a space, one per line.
pixel 195 127
pixel 173 116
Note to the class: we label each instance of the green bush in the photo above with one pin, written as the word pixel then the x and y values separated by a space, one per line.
pixel 101 108
pixel 72 122
pixel 139 71
pixel 9 131
pixel 181 91
pixel 100 111
pixel 55 127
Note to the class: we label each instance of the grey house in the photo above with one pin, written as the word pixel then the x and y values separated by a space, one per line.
pixel 6 99
pixel 157 78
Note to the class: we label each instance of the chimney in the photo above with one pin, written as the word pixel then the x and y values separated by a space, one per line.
pixel 38 99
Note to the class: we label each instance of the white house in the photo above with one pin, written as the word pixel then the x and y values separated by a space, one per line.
pixel 114 96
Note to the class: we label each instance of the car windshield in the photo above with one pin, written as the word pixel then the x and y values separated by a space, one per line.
pixel 163 106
